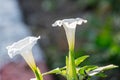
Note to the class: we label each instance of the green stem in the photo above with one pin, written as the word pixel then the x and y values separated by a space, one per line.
pixel 71 68
pixel 38 74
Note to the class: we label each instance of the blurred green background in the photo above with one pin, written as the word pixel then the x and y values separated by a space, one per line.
pixel 99 38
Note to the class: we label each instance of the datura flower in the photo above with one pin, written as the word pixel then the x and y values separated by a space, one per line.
pixel 24 48
pixel 70 27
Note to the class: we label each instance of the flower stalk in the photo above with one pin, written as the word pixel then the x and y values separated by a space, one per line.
pixel 71 70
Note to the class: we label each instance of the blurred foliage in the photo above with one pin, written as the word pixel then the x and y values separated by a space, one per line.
pixel 102 36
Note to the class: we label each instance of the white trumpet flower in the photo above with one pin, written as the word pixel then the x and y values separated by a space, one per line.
pixel 24 48
pixel 70 27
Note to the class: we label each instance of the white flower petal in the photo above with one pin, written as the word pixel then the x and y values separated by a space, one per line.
pixel 57 23
pixel 33 79
pixel 80 21
pixel 22 45
pixel 68 22
pixel 70 27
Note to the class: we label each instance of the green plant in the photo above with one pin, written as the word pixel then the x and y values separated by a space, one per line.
pixel 72 70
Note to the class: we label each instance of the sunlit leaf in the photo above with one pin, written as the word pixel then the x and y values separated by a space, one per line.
pixel 54 71
pixel 84 70
pixel 80 59
pixel 100 69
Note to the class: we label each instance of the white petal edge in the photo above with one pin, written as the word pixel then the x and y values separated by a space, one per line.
pixel 17 47
pixel 78 21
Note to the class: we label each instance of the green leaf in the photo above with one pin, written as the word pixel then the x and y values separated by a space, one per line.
pixel 80 59
pixel 100 69
pixel 82 72
pixel 61 71
pixel 54 71
pixel 85 69
pixel 77 62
